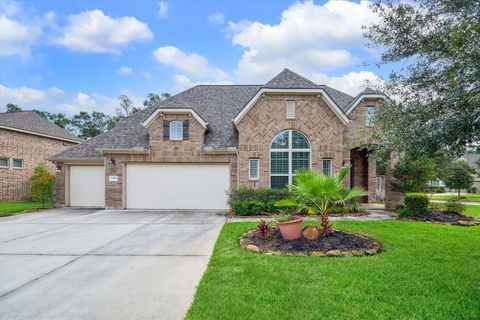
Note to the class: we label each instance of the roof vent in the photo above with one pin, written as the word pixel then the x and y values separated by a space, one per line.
pixel 290 109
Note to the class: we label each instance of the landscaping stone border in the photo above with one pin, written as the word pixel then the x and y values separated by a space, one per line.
pixel 246 244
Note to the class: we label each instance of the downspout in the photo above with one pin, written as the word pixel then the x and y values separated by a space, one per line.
pixel 238 168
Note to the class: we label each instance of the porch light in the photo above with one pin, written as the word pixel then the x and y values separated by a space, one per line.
pixel 58 168
pixel 111 162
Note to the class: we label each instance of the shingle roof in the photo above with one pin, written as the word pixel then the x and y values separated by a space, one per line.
pixel 215 104
pixel 34 123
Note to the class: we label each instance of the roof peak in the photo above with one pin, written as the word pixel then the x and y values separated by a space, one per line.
pixel 289 79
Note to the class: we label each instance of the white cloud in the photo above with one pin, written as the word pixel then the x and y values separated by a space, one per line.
pixel 125 70
pixel 191 64
pixel 27 97
pixel 216 18
pixel 163 10
pixel 352 83
pixel 183 82
pixel 309 38
pixel 146 75
pixel 95 32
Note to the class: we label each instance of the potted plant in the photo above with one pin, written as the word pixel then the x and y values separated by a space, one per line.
pixel 290 226
pixel 316 193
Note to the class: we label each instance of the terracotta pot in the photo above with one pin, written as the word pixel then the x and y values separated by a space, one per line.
pixel 291 230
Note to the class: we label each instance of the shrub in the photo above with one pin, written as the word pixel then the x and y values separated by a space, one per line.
pixel 454 205
pixel 436 206
pixel 357 207
pixel 248 207
pixel 263 229
pixel 41 185
pixel 416 203
pixel 436 190
pixel 472 190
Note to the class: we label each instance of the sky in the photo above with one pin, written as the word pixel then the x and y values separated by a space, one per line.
pixel 71 56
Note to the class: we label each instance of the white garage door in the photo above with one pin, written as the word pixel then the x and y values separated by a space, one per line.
pixel 177 186
pixel 87 186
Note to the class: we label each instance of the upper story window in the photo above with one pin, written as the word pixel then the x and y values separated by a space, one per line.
pixel 176 130
pixel 17 163
pixel 253 169
pixel 3 162
pixel 369 114
pixel 290 109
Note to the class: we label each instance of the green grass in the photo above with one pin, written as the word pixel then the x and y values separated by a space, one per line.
pixel 472 210
pixel 465 197
pixel 427 271
pixel 12 208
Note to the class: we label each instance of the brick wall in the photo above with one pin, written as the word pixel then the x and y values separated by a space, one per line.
pixel 33 150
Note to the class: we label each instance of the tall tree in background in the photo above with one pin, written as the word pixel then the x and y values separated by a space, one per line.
pixel 127 108
pixel 460 176
pixel 437 95
pixel 153 98
pixel 90 125
pixel 12 107
pixel 60 119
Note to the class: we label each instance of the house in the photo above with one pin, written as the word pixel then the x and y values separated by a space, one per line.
pixel 187 151
pixel 473 159
pixel 26 140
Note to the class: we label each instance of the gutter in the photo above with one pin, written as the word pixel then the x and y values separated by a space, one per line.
pixel 210 150
pixel 41 134
pixel 103 151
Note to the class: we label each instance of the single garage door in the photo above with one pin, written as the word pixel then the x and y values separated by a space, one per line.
pixel 177 186
pixel 87 186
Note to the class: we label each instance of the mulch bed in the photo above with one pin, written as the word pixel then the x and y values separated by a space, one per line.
pixel 446 217
pixel 340 244
pixel 347 214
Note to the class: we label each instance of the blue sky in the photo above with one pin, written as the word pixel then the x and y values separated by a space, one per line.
pixel 68 56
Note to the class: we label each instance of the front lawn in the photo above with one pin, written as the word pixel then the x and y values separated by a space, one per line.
pixel 11 208
pixel 470 197
pixel 427 271
pixel 472 210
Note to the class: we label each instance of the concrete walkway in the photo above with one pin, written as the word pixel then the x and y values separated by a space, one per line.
pixel 97 264
pixel 465 203
pixel 375 214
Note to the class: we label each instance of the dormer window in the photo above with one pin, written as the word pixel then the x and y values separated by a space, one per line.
pixel 176 130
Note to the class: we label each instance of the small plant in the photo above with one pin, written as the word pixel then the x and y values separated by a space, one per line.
pixel 263 229
pixel 357 207
pixel 416 203
pixel 454 205
pixel 284 218
pixel 41 185
pixel 436 206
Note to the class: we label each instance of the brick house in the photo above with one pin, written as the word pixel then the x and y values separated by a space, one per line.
pixel 26 140
pixel 188 150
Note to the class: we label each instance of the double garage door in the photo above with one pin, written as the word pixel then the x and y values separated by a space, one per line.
pixel 156 186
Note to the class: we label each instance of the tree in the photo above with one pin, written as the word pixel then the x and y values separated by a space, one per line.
pixel 12 107
pixel 41 185
pixel 153 98
pixel 60 119
pixel 126 106
pixel 412 175
pixel 460 176
pixel 437 93
pixel 315 193
pixel 91 125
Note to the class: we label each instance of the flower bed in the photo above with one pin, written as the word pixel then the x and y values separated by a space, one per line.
pixel 446 217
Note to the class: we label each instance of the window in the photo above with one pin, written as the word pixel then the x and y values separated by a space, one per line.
pixel 327 167
pixel 370 112
pixel 289 152
pixel 3 162
pixel 253 169
pixel 290 109
pixel 176 130
pixel 17 163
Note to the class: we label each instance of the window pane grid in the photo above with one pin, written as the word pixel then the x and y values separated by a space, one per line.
pixel 300 160
pixel 176 130
pixel 253 169
pixel 327 167
pixel 279 162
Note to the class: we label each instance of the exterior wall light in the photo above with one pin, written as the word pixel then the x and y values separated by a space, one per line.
pixel 58 168
pixel 112 162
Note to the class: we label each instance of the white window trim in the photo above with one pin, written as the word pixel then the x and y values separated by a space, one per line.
pixel 170 130
pixel 290 151
pixel 330 166
pixel 13 161
pixel 8 162
pixel 258 169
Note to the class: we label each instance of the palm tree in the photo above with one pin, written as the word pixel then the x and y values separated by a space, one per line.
pixel 315 193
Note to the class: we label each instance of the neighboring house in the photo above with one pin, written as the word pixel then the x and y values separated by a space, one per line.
pixel 472 158
pixel 26 140
pixel 187 151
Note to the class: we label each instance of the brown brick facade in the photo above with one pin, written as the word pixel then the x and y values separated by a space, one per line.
pixel 328 136
pixel 33 150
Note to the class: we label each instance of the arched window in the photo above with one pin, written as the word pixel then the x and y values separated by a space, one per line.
pixel 176 130
pixel 289 152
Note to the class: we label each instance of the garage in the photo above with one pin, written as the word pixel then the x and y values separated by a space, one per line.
pixel 177 186
pixel 87 186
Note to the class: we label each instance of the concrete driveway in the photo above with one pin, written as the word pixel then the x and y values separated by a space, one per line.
pixel 96 264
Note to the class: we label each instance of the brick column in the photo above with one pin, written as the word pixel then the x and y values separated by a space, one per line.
pixel 60 185
pixel 372 181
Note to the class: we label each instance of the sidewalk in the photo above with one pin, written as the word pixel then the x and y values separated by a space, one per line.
pixel 465 203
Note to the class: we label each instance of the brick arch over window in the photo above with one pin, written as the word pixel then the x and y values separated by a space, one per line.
pixel 290 150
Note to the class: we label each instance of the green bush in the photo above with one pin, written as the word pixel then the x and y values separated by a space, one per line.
pixel 472 190
pixel 41 185
pixel 454 205
pixel 250 201
pixel 416 203
pixel 436 190
pixel 436 206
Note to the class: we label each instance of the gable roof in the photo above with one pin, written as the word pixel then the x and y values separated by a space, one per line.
pixel 215 105
pixel 32 123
